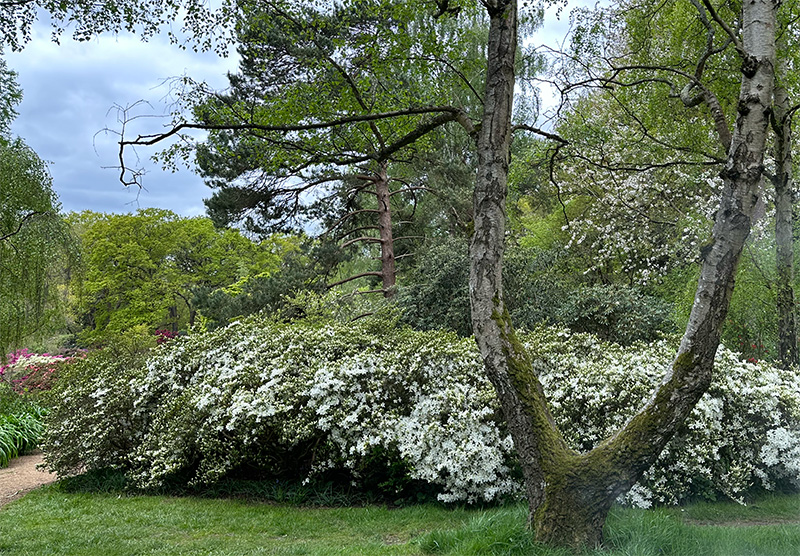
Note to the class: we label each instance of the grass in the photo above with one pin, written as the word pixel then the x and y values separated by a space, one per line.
pixel 770 527
pixel 57 520
pixel 50 521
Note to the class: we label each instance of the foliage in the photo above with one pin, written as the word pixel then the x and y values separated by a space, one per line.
pixel 437 296
pixel 35 245
pixel 10 96
pixel 142 269
pixel 616 313
pixel 331 64
pixel 20 424
pixel 539 286
pixel 316 398
pixel 300 270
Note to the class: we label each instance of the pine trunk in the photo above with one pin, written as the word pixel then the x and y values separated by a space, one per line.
pixel 388 272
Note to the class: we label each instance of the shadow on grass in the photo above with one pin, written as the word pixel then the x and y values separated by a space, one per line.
pixel 279 491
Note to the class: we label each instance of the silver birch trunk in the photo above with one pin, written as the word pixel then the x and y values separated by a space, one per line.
pixel 784 240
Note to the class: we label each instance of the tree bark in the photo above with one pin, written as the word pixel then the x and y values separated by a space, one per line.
pixel 491 329
pixel 784 240
pixel 388 271
pixel 569 494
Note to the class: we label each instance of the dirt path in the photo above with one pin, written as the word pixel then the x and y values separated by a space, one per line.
pixel 21 477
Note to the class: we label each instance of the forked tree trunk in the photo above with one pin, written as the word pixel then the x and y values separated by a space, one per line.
pixel 569 493
pixel 784 241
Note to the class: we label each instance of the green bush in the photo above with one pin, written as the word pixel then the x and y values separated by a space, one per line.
pixel 385 407
pixel 20 424
pixel 536 290
pixel 621 314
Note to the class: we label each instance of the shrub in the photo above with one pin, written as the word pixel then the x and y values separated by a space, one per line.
pixel 621 314
pixel 537 289
pixel 20 424
pixel 743 435
pixel 29 372
pixel 91 423
pixel 387 406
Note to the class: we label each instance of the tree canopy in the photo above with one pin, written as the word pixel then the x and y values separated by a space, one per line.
pixel 35 244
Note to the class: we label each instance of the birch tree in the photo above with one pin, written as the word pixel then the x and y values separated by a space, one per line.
pixel 570 493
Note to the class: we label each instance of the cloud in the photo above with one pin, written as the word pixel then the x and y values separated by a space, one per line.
pixel 70 91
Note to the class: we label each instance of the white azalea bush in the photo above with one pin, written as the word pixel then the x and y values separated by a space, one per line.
pixel 302 399
pixel 315 397
pixel 743 435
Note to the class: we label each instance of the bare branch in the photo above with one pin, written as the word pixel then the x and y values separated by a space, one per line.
pixel 149 140
pixel 359 229
pixel 412 189
pixel 546 134
pixel 347 217
pixel 355 240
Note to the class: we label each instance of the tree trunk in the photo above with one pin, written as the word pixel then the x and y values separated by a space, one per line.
pixel 569 494
pixel 492 332
pixel 784 241
pixel 388 272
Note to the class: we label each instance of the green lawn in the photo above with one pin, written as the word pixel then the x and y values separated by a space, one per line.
pixel 54 521
pixel 50 521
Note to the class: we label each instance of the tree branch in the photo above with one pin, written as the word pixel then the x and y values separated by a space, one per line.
pixel 356 277
pixel 536 130
pixel 152 139
pixel 367 239
pixel 22 223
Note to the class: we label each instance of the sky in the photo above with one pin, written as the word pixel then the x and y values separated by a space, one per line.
pixel 70 94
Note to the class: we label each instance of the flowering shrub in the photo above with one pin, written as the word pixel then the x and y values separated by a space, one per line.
pixel 314 397
pixel 743 434
pixel 32 372
pixel 163 335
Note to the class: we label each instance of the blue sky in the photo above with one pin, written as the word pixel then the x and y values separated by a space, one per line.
pixel 70 91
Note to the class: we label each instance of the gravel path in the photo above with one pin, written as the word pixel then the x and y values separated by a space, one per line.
pixel 21 477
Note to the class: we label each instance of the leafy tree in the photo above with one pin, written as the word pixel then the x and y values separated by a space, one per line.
pixel 10 96
pixel 141 269
pixel 342 64
pixel 570 493
pixel 35 244
pixel 632 151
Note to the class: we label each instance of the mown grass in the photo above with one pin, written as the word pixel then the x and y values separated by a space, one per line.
pixel 50 521
pixel 60 521
pixel 770 527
